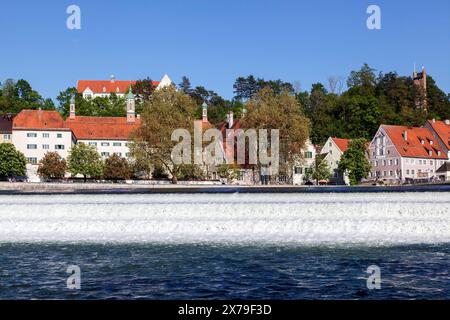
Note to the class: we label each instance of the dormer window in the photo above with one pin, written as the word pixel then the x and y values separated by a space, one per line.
pixel 117 89
pixel 439 153
pixel 422 141
pixel 104 89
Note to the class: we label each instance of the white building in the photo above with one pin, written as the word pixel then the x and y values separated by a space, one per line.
pixel 36 132
pixel 91 89
pixel 303 164
pixel 333 149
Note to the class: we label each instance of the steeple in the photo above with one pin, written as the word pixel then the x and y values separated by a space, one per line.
pixel 204 112
pixel 72 108
pixel 131 115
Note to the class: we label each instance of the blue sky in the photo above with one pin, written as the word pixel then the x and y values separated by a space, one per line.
pixel 215 41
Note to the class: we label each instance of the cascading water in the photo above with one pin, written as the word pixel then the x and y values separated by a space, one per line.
pixel 299 219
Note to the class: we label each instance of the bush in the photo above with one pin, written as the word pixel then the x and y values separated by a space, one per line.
pixel 116 168
pixel 52 166
pixel 12 161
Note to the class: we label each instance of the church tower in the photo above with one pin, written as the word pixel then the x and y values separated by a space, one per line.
pixel 131 114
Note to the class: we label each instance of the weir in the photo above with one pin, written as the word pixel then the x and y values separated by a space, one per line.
pixel 280 219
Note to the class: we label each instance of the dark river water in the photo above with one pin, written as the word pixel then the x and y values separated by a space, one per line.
pixel 155 271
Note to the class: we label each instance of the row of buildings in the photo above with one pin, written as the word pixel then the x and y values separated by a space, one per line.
pixel 397 154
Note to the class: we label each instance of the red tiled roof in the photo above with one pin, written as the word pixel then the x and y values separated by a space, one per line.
pixel 342 144
pixel 102 128
pixel 442 130
pixel 412 146
pixel 107 86
pixel 38 120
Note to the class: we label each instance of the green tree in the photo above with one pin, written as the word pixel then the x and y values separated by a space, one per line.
pixel 12 161
pixel 320 169
pixel 116 168
pixel 167 110
pixel 355 162
pixel 268 110
pixel 52 166
pixel 85 160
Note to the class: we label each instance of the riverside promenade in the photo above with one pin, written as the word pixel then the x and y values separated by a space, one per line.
pixel 123 188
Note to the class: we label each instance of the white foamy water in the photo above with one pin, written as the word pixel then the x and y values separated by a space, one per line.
pixel 351 218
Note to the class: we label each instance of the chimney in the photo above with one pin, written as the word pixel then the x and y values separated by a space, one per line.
pixel 113 78
pixel 72 108
pixel 204 112
pixel 447 122
pixel 405 135
pixel 230 119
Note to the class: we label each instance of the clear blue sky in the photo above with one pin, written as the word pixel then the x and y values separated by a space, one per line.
pixel 215 41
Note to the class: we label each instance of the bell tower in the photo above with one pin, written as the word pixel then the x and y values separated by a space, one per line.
pixel 131 114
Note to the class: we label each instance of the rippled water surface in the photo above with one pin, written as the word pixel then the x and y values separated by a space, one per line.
pixel 223 272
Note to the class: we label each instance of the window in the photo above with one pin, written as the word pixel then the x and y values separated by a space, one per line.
pixel 298 170
pixel 407 171
pixel 92 143
pixel 127 155
pixel 308 155
pixel 46 135
pixel 31 135
pixel 118 154
pixel 390 162
pixel 59 135
pixel 105 154
pixel 32 160
pixel 391 173
pixel 330 144
pixel 384 162
pixel 431 162
pixel 45 146
pixel 105 144
pixel 6 137
pixel 59 147
pixel 412 171
pixel 31 146
pixel 420 161
pixel 127 144
pixel 384 173
pixel 419 171
pixel 376 163
pixel 396 162
pixel 117 144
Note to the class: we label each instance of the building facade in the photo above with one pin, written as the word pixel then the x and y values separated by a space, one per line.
pixel 6 122
pixel 91 89
pixel 400 154
pixel 303 164
pixel 332 150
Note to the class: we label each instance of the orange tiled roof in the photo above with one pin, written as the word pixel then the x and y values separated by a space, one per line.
pixel 442 130
pixel 38 120
pixel 413 146
pixel 342 144
pixel 107 86
pixel 102 128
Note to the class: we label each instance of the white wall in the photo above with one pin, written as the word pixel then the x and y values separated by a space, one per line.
pixel 122 150
pixel 21 140
pixel 304 163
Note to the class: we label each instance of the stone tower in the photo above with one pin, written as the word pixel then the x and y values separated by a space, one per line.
pixel 420 80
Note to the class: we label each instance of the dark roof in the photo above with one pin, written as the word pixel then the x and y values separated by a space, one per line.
pixel 6 122
pixel 444 168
